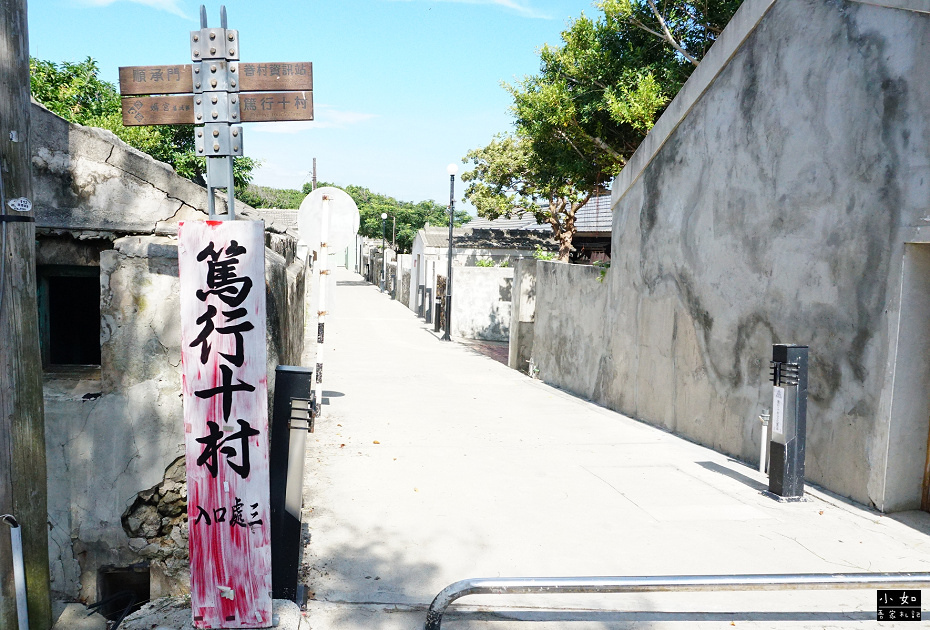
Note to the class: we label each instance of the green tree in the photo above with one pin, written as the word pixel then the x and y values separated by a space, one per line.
pixel 595 98
pixel 266 197
pixel 410 216
pixel 75 92
pixel 510 178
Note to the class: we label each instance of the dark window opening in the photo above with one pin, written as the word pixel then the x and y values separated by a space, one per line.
pixel 122 591
pixel 69 315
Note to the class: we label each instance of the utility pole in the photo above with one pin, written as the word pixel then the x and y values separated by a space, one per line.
pixel 313 184
pixel 23 491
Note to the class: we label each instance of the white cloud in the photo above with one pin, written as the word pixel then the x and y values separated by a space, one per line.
pixel 324 118
pixel 171 6
pixel 517 6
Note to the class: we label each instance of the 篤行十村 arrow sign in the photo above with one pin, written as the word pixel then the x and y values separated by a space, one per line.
pixel 179 109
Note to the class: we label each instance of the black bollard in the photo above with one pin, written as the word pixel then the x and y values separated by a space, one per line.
pixel 292 420
pixel 789 421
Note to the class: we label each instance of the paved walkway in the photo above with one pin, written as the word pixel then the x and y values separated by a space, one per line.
pixel 433 463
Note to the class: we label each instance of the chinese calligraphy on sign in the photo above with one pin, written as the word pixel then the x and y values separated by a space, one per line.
pixel 225 421
pixel 255 107
pixel 254 77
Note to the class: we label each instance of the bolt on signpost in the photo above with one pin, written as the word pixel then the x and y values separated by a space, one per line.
pixel 222 279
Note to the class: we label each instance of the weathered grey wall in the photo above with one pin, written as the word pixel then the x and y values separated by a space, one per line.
pixel 88 177
pixel 481 302
pixel 109 438
pixel 404 262
pixel 522 315
pixel 776 211
pixel 570 324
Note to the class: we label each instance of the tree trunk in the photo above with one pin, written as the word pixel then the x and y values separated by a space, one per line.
pixel 23 491
pixel 565 245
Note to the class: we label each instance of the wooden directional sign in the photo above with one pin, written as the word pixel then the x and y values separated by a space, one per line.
pixel 253 107
pixel 159 110
pixel 135 80
pixel 264 77
pixel 270 106
pixel 253 77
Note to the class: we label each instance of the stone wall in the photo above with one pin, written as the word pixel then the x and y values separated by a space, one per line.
pixel 771 204
pixel 523 316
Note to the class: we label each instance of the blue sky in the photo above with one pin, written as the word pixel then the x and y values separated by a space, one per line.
pixel 401 87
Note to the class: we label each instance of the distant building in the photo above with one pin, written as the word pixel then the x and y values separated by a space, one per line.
pixel 593 222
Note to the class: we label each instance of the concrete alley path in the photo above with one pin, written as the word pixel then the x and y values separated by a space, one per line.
pixel 433 463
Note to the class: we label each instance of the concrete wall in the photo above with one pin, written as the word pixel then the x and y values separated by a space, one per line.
pixel 570 305
pixel 481 302
pixel 87 177
pixel 772 204
pixel 404 262
pixel 523 315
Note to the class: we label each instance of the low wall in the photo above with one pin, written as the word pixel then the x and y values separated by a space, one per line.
pixel 481 302
pixel 402 294
pixel 523 315
pixel 569 332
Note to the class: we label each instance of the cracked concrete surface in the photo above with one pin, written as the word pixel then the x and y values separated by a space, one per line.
pixel 493 474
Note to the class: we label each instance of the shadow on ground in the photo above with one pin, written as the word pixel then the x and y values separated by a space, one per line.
pixel 368 571
pixel 733 474
pixel 497 350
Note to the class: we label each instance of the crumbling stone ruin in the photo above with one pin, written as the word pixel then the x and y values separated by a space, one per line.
pixel 156 524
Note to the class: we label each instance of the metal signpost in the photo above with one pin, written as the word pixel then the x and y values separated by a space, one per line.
pixel 223 317
pixel 216 92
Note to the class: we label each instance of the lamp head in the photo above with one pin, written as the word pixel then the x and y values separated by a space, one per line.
pixel 452 169
pixel 384 215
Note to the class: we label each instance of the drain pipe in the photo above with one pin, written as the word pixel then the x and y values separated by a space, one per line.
pixel 764 440
pixel 19 570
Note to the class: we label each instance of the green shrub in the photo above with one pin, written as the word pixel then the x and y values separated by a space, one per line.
pixel 542 254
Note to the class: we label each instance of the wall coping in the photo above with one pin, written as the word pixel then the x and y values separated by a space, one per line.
pixel 744 22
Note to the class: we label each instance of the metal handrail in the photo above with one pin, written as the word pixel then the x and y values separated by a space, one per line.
pixel 683 583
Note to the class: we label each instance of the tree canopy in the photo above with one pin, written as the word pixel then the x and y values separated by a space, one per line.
pixel 410 216
pixel 267 197
pixel 510 178
pixel 596 96
pixel 75 92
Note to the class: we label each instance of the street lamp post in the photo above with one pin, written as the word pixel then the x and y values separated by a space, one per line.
pixel 452 169
pixel 383 255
